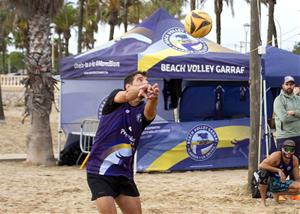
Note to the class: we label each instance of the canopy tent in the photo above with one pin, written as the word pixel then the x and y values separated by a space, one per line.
pixel 160 47
pixel 279 63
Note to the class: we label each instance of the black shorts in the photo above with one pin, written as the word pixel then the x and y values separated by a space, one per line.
pixel 102 185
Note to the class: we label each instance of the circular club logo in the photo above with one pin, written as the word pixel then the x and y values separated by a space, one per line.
pixel 101 105
pixel 178 39
pixel 201 142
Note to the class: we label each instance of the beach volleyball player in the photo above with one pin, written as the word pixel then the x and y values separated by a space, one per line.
pixel 110 165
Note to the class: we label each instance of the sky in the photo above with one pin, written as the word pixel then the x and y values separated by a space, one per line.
pixel 233 34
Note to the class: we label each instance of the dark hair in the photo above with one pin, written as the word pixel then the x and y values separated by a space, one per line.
pixel 129 78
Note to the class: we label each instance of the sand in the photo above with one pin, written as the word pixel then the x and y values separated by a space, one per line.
pixel 62 189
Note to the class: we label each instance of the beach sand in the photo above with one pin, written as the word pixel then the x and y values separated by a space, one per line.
pixel 62 189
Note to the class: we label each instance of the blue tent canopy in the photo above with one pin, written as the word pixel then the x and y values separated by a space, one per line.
pixel 161 47
pixel 280 63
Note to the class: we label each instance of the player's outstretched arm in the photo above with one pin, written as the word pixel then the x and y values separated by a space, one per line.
pixel 152 100
pixel 131 93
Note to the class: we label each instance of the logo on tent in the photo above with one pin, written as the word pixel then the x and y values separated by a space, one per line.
pixel 201 142
pixel 101 105
pixel 178 39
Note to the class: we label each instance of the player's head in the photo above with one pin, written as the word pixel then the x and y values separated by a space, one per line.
pixel 288 84
pixel 288 148
pixel 136 78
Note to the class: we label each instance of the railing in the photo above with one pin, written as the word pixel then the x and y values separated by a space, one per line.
pixel 11 81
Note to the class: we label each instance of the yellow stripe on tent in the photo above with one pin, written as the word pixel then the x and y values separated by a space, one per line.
pixel 178 153
pixel 169 158
pixel 228 133
pixel 149 60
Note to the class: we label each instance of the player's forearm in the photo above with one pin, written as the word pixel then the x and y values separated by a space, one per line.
pixel 125 96
pixel 268 167
pixel 150 109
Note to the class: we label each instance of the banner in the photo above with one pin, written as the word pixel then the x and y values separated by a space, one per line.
pixel 194 145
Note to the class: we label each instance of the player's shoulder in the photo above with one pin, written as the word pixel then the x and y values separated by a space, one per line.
pixel 295 160
pixel 275 156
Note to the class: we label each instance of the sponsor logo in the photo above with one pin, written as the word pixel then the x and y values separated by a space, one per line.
pixel 139 118
pixel 131 138
pixel 178 39
pixel 100 108
pixel 201 142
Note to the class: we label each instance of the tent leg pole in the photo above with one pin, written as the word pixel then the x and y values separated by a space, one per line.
pixel 266 118
pixel 135 162
pixel 59 131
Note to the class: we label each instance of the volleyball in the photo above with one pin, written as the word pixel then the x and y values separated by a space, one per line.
pixel 197 23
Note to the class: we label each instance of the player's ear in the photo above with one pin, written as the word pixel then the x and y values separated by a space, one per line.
pixel 127 86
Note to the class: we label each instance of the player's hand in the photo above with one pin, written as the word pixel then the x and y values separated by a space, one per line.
pixel 282 175
pixel 153 92
pixel 291 113
pixel 143 91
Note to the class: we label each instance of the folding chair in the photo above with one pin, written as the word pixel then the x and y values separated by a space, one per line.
pixel 88 131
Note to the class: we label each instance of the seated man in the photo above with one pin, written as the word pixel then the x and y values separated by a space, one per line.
pixel 279 165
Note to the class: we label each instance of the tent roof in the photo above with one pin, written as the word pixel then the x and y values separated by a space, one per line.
pixel 280 63
pixel 159 46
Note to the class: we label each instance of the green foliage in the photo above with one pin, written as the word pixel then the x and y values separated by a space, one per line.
pixel 17 61
pixel 296 49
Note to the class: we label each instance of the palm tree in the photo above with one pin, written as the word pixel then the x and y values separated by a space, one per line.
pixel 218 11
pixel 271 24
pixel 2 117
pixel 193 5
pixel 65 18
pixel 6 20
pixel 90 22
pixel 21 35
pixel 114 7
pixel 39 84
pixel 80 25
pixel 218 5
pixel 172 7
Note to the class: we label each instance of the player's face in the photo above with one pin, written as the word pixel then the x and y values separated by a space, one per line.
pixel 288 87
pixel 139 80
pixel 288 151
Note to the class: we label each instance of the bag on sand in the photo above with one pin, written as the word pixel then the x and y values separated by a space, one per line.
pixel 71 155
pixel 255 185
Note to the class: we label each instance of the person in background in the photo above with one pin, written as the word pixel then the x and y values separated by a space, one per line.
pixel 278 166
pixel 287 115
pixel 297 90
pixel 110 164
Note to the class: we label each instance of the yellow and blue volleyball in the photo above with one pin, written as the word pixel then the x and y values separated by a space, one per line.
pixel 197 23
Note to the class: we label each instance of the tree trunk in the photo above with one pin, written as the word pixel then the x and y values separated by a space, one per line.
pixel 271 24
pixel 111 32
pixel 67 36
pixel 193 5
pixel 2 117
pixel 113 20
pixel 80 24
pixel 39 92
pixel 3 61
pixel 255 105
pixel 125 21
pixel 275 35
pixel 218 11
pixel 60 49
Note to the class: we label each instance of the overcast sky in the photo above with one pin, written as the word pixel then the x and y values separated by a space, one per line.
pixel 287 15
